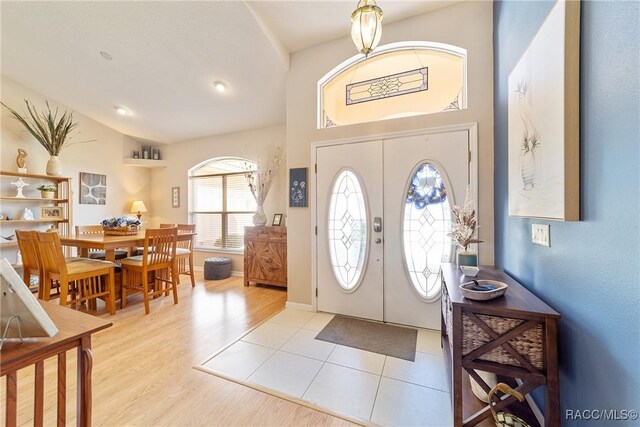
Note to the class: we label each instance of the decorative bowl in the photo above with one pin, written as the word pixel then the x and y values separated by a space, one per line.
pixel 469 271
pixel 483 290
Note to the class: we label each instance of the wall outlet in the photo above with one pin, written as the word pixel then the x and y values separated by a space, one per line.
pixel 540 234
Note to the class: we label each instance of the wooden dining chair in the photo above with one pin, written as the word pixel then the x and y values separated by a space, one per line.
pixel 98 253
pixel 28 245
pixel 140 249
pixel 184 253
pixel 160 262
pixel 80 279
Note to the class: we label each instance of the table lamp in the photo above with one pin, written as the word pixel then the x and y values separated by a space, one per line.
pixel 138 207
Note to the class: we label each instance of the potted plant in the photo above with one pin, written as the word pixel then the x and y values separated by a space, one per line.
pixel 463 231
pixel 48 128
pixel 47 191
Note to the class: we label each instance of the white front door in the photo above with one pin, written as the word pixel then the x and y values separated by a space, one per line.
pixel 424 177
pixel 349 198
pixel 383 211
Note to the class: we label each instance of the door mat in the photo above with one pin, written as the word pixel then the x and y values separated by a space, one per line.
pixel 394 341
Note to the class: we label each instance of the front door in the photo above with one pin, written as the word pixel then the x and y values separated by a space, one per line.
pixel 384 209
pixel 350 250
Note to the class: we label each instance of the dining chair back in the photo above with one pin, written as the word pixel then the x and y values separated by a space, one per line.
pixel 28 245
pixel 159 258
pixel 97 253
pixel 80 279
pixel 184 252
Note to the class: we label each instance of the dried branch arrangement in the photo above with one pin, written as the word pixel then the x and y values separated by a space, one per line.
pixel 49 130
pixel 464 225
pixel 260 180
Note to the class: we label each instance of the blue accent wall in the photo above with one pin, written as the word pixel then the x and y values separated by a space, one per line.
pixel 591 273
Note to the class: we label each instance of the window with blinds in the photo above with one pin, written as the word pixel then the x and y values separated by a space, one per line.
pixel 221 203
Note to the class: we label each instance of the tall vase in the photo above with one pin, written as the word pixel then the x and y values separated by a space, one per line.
pixel 259 218
pixel 54 167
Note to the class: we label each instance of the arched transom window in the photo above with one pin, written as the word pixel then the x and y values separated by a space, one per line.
pixel 398 80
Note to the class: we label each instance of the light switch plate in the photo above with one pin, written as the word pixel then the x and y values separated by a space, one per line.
pixel 540 234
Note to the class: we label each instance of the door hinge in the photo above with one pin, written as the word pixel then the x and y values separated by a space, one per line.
pixel 315 167
pixel 316 292
pixel 316 230
pixel 469 157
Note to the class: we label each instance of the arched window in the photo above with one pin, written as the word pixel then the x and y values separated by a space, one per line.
pixel 397 80
pixel 220 202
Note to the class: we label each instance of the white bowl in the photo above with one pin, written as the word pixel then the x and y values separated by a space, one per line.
pixel 496 290
pixel 469 270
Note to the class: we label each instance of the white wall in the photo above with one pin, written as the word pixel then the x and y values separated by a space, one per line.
pixel 468 25
pixel 104 156
pixel 185 155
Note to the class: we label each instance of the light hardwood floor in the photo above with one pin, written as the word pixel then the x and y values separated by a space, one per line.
pixel 143 365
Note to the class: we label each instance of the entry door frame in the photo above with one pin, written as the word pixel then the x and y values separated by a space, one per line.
pixel 471 127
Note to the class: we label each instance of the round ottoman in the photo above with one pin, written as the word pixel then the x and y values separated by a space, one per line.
pixel 217 268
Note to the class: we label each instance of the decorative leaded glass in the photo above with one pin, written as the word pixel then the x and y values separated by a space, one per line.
pixel 426 222
pixel 388 86
pixel 347 230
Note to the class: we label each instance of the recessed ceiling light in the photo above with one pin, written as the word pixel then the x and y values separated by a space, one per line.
pixel 122 111
pixel 106 56
pixel 221 86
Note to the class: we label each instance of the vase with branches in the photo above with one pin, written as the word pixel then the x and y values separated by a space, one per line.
pixel 463 231
pixel 49 128
pixel 260 181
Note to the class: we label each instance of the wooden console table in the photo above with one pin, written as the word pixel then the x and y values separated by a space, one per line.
pixel 74 331
pixel 265 255
pixel 513 336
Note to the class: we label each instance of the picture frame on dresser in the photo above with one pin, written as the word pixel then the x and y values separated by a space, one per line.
pixel 277 220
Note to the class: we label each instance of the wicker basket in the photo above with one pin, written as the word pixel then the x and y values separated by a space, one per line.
pixel 120 231
pixel 528 344
pixel 504 419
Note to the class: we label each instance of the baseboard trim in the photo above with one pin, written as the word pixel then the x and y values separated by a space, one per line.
pixel 298 306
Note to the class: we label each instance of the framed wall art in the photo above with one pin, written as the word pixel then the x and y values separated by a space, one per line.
pixel 175 197
pixel 93 189
pixel 298 188
pixel 544 156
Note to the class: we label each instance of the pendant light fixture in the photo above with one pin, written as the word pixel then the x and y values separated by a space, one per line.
pixel 366 26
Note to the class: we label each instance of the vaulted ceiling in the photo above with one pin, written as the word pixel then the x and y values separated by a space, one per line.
pixel 166 55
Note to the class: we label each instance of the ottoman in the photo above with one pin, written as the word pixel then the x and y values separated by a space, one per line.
pixel 217 268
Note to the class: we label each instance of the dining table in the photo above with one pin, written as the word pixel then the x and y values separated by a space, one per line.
pixel 109 243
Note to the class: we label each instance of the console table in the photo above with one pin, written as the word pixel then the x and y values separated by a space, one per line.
pixel 514 336
pixel 74 331
pixel 265 255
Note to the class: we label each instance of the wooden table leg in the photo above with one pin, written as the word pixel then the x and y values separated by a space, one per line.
pixel 110 255
pixel 552 395
pixel 85 364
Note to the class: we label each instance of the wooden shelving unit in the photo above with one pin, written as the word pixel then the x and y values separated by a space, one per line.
pixel 12 206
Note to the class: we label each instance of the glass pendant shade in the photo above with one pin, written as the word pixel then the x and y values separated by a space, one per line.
pixel 366 26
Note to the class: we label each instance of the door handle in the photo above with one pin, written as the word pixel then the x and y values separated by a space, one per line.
pixel 377 224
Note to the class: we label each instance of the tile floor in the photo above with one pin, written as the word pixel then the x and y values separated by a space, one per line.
pixel 282 354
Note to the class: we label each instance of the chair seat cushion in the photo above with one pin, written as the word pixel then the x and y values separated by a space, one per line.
pixel 182 251
pixel 134 260
pixel 120 254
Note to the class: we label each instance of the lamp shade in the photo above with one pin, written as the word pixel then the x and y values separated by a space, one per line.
pixel 366 26
pixel 138 206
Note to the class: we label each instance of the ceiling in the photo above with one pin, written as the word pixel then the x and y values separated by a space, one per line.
pixel 166 56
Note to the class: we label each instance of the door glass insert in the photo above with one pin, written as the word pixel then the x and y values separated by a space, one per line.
pixel 347 229
pixel 426 222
